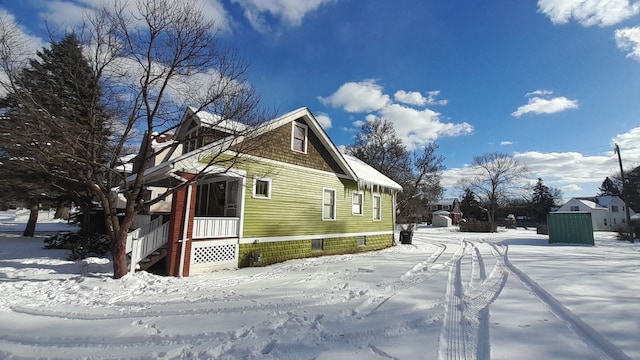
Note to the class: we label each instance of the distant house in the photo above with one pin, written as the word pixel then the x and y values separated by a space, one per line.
pixel 296 197
pixel 450 205
pixel 608 213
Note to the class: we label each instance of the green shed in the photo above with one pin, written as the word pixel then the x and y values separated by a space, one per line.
pixel 570 227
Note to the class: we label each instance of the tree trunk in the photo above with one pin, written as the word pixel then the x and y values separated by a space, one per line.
pixel 30 230
pixel 62 212
pixel 118 251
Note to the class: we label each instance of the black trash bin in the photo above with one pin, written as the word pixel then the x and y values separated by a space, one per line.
pixel 405 236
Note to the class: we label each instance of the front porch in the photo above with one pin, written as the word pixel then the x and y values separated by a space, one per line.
pixel 204 227
pixel 214 244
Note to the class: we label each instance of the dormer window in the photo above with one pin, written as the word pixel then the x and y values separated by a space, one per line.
pixel 299 137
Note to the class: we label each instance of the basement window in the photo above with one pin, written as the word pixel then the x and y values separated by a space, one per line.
pixel 362 240
pixel 317 244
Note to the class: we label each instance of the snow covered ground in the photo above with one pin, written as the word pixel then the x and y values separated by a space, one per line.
pixel 449 295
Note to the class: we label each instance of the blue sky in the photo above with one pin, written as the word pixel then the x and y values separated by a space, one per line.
pixel 554 82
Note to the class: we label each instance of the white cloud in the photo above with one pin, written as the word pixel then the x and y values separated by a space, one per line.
pixel 629 144
pixel 628 39
pixel 410 97
pixel 418 127
pixel 358 123
pixel 290 11
pixel 589 12
pixel 415 127
pixel 574 173
pixel 568 167
pixel 324 120
pixel 542 105
pixel 68 15
pixel 570 188
pixel 431 100
pixel 365 96
pixel 539 93
pixel 505 143
pixel 416 98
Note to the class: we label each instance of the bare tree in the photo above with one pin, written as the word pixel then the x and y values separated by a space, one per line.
pixel 154 58
pixel 14 52
pixel 496 176
pixel 418 172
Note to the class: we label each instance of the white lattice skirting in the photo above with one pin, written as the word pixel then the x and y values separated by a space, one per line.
pixel 212 255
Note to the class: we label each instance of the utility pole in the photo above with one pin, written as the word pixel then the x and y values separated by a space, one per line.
pixel 624 196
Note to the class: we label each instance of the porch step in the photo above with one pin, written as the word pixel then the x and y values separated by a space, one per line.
pixel 152 259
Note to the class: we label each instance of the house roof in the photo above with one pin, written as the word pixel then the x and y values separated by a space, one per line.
pixel 597 201
pixel 448 201
pixel 365 175
pixel 591 204
pixel 586 202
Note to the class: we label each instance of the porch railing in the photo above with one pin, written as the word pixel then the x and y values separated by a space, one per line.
pixel 144 241
pixel 215 227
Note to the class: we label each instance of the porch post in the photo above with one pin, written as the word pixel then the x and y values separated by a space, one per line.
pixel 177 228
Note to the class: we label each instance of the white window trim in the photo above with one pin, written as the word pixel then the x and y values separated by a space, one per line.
pixel 335 200
pixel 373 206
pixel 353 204
pixel 293 134
pixel 265 179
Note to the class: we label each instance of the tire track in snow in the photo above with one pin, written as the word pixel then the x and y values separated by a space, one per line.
pixel 421 272
pixel 464 334
pixel 591 337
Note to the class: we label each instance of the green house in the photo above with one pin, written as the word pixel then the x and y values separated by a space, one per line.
pixel 280 191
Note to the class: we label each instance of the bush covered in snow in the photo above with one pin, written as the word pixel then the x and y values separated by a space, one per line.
pixel 81 245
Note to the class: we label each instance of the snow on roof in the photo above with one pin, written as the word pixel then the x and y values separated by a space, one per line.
pixel 448 201
pixel 590 204
pixel 160 141
pixel 214 121
pixel 368 177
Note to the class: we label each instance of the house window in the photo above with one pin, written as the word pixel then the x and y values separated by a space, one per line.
pixel 357 203
pixel 299 138
pixel 317 244
pixel 362 240
pixel 192 141
pixel 211 199
pixel 614 208
pixel 217 199
pixel 575 208
pixel 261 188
pixel 377 208
pixel 328 204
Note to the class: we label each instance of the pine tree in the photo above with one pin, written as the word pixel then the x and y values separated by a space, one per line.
pixel 608 187
pixel 632 188
pixel 542 201
pixel 470 206
pixel 54 121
